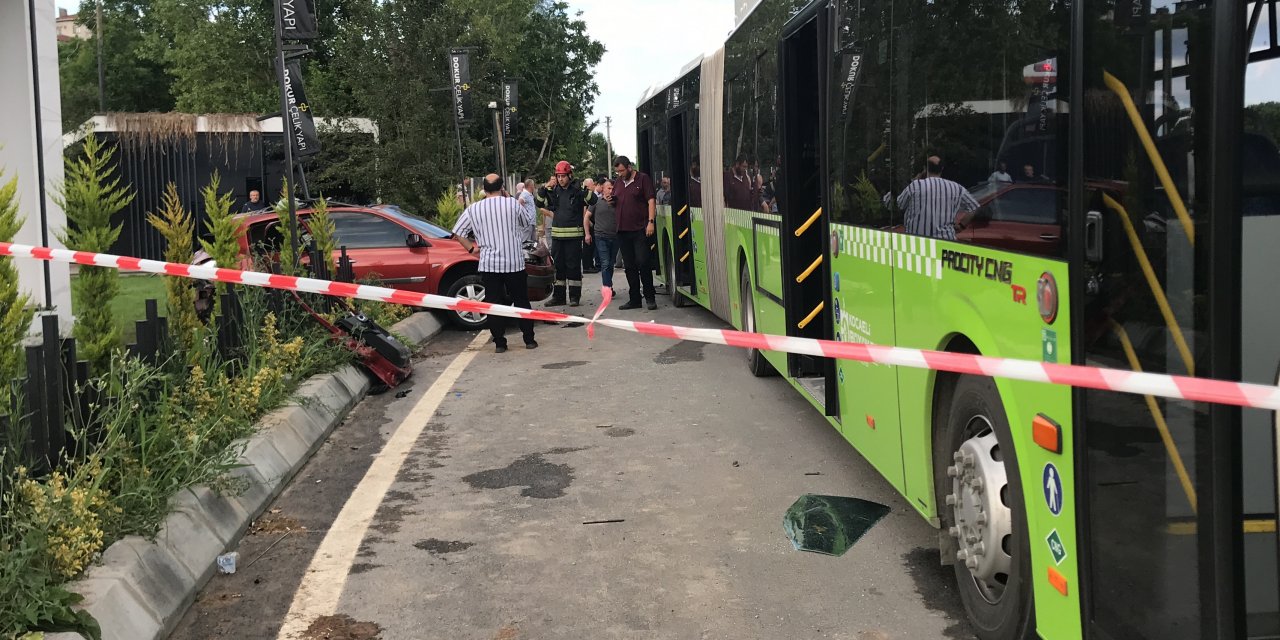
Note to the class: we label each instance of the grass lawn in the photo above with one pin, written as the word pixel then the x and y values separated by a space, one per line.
pixel 130 305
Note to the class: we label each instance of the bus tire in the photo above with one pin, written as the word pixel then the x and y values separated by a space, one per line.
pixel 756 361
pixel 993 561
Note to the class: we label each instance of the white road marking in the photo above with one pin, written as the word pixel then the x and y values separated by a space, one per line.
pixel 326 576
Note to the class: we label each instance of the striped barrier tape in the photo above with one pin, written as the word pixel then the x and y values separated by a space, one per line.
pixel 1241 394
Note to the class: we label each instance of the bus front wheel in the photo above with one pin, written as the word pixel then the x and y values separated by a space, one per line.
pixel 756 361
pixel 984 513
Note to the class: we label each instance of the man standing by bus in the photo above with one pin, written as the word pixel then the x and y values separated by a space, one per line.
pixel 499 225
pixel 636 203
pixel 930 204
pixel 567 201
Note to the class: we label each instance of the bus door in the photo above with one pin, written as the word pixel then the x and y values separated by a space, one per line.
pixel 683 252
pixel 806 276
pixel 1181 217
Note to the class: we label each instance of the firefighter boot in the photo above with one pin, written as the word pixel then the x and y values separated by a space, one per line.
pixel 575 293
pixel 557 297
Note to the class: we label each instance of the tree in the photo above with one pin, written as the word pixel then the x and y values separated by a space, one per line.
pixel 90 197
pixel 136 78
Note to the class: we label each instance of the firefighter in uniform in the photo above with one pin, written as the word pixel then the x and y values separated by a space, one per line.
pixel 567 200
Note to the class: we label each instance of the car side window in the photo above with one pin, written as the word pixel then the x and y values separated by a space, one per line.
pixel 359 230
pixel 1027 206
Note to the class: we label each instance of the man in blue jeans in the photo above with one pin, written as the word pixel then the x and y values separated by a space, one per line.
pixel 602 232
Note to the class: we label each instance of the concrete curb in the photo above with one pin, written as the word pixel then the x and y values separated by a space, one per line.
pixel 141 589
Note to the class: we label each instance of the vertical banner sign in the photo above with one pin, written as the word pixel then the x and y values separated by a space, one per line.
pixel 301 127
pixel 297 19
pixel 510 114
pixel 460 76
pixel 852 69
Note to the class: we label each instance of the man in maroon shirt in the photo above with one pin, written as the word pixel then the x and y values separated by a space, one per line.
pixel 635 201
pixel 741 190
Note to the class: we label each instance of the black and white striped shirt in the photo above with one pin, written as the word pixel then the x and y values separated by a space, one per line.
pixel 930 206
pixel 500 225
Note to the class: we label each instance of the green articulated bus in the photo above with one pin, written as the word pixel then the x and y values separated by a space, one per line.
pixel 1122 164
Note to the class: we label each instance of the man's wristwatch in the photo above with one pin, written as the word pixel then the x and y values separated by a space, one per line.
pixel 650 220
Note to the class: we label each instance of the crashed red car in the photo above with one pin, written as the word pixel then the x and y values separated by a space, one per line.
pixel 394 249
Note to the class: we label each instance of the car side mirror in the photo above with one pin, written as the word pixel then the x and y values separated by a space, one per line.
pixel 416 241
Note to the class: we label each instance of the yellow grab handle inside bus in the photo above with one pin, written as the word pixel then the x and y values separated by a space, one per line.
pixel 1156 414
pixel 809 223
pixel 808 272
pixel 1170 189
pixel 1153 283
pixel 812 314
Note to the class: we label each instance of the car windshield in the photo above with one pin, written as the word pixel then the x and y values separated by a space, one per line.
pixel 985 189
pixel 427 229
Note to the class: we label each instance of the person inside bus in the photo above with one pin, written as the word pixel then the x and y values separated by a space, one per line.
pixel 1029 175
pixel 740 191
pixel 934 206
pixel 1001 174
pixel 695 185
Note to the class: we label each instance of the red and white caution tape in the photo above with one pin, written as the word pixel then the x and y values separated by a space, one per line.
pixel 1166 386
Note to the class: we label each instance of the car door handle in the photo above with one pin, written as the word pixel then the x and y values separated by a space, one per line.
pixel 1048 236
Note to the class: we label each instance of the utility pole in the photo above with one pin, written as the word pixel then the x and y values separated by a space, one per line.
pixel 102 92
pixel 608 143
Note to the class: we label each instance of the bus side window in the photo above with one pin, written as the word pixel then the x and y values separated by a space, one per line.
pixel 859 133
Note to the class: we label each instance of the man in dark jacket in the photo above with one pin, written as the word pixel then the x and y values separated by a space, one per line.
pixel 567 200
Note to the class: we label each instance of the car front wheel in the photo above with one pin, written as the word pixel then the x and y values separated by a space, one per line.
pixel 468 287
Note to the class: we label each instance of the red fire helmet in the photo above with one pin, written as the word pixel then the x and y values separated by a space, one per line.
pixel 564 167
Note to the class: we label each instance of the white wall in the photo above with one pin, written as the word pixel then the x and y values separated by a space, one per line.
pixel 20 147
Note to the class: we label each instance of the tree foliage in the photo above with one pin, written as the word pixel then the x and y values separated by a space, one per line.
pixel 385 61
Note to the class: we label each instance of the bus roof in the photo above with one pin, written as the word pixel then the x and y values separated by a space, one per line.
pixel 659 88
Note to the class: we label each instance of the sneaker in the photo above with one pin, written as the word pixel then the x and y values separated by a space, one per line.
pixel 502 348
pixel 630 305
pixel 532 344
pixel 652 304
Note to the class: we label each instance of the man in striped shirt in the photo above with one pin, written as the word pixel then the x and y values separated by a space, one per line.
pixel 498 225
pixel 931 204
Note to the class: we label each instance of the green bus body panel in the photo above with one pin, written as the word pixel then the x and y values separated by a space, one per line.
pixel 894 289
pixel 699 233
pixel 863 311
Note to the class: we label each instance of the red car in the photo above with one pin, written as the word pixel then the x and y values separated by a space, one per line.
pixel 397 250
pixel 1017 216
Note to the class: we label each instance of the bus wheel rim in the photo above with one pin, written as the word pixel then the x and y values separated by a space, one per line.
pixel 983 527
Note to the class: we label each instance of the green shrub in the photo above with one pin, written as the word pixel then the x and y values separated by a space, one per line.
pixel 90 197
pixel 323 233
pixel 15 308
pixel 175 225
pixel 226 234
pixel 448 209
pixel 289 264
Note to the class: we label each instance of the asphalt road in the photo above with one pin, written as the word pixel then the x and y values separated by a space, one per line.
pixel 481 532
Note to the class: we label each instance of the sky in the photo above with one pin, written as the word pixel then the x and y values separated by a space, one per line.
pixel 647 43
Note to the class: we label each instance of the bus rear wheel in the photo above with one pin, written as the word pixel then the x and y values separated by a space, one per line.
pixel 756 361
pixel 984 512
